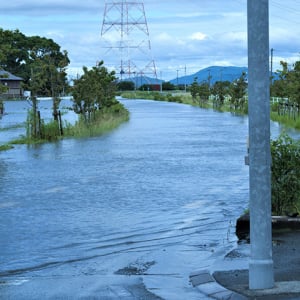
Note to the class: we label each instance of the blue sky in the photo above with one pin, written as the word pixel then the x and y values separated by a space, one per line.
pixel 185 36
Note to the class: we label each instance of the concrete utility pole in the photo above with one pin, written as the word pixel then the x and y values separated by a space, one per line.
pixel 261 273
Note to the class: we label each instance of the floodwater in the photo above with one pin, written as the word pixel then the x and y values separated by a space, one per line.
pixel 126 214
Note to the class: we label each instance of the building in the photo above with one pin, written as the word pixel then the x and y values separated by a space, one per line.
pixel 13 83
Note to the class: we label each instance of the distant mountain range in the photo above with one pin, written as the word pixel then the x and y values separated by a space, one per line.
pixel 212 74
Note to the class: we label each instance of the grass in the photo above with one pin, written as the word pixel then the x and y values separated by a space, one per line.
pixel 104 121
pixel 186 98
pixel 286 120
pixel 6 147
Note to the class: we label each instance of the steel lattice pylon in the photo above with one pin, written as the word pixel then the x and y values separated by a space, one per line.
pixel 125 36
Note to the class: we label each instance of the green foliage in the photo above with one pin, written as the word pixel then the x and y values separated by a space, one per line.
pixel 204 92
pixel 5 147
pixel 93 91
pixel 285 175
pixel 50 131
pixel 220 89
pixel 200 92
pixel 3 89
pixel 237 91
pixel 1 107
pixel 39 61
pixel 157 96
pixel 104 120
pixel 194 89
pixel 146 87
pixel 168 86
pixel 288 85
pixel 125 86
pixel 286 120
pixel 13 49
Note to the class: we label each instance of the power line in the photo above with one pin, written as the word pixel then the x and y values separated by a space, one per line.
pixel 285 7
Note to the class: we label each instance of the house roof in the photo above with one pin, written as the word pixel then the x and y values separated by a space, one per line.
pixel 4 75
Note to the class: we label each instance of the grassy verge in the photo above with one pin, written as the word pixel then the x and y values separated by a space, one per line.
pixel 186 98
pixel 286 120
pixel 105 120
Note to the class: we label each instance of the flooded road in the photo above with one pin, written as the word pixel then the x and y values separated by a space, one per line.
pixel 133 211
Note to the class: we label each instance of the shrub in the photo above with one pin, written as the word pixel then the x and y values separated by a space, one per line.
pixel 50 131
pixel 285 175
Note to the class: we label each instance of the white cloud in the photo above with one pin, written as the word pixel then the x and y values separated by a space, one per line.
pixel 188 33
pixel 198 36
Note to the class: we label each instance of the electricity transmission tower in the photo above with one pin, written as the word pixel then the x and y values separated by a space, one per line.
pixel 125 36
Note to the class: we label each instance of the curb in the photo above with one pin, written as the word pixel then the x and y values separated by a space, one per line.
pixel 207 285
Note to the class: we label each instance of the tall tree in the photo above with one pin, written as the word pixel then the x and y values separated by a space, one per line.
pixel 23 56
pixel 237 91
pixel 294 83
pixel 94 90
pixel 194 89
pixel 204 91
pixel 14 54
pixel 279 87
pixel 41 64
pixel 288 84
pixel 220 89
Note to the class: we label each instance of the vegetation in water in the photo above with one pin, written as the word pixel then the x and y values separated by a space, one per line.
pixel 94 102
pixel 5 147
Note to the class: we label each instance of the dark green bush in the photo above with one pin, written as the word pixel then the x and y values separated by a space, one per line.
pixel 285 175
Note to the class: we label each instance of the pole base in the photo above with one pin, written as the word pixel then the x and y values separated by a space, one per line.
pixel 261 274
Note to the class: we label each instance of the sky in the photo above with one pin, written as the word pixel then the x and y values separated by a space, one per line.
pixel 184 36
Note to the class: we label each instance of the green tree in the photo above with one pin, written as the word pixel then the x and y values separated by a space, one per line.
pixel 14 52
pixel 41 64
pixel 279 88
pixel 293 78
pixel 22 55
pixel 200 92
pixel 146 87
pixel 288 84
pixel 204 92
pixel 94 90
pixel 237 91
pixel 220 89
pixel 168 86
pixel 125 86
pixel 194 89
